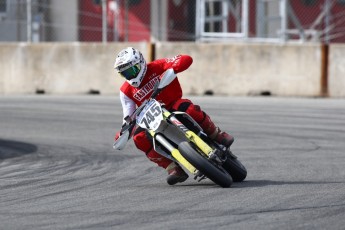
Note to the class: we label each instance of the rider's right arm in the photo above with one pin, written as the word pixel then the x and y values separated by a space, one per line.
pixel 128 105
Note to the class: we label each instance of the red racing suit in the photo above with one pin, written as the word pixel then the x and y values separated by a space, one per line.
pixel 171 96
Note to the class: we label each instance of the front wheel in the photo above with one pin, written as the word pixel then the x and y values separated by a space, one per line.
pixel 217 175
pixel 235 168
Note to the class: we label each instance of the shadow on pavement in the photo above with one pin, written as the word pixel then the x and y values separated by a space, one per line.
pixel 11 149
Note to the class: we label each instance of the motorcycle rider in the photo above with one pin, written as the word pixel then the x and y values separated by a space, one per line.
pixel 140 78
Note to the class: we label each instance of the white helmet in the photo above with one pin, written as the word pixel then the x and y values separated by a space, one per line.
pixel 131 65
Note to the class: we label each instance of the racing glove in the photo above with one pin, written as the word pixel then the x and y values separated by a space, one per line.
pixel 131 128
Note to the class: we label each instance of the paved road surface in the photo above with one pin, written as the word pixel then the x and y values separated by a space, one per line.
pixel 58 169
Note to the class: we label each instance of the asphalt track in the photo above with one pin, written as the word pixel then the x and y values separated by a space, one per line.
pixel 58 169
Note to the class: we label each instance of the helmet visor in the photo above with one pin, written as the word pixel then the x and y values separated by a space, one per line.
pixel 131 72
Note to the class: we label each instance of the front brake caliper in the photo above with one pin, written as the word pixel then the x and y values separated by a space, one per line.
pixel 215 156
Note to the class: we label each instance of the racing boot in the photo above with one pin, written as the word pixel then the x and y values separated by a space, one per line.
pixel 176 174
pixel 215 133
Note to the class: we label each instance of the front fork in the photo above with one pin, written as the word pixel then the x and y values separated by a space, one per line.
pixel 191 136
pixel 194 138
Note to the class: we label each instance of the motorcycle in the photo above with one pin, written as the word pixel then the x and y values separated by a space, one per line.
pixel 178 137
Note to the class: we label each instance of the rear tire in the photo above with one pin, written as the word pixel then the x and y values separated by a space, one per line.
pixel 217 175
pixel 235 168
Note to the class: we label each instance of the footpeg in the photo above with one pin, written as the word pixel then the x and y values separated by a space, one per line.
pixel 199 174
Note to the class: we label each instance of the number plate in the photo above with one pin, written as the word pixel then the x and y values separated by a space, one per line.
pixel 151 116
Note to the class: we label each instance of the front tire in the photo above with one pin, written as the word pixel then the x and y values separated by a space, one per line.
pixel 235 168
pixel 217 175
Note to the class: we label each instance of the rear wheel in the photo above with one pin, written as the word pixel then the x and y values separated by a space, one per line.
pixel 217 174
pixel 235 168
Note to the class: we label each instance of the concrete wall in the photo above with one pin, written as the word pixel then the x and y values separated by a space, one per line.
pixel 224 69
pixel 60 68
pixel 245 69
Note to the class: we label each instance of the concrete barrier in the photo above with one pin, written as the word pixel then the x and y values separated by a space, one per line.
pixel 336 70
pixel 247 69
pixel 222 68
pixel 61 68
